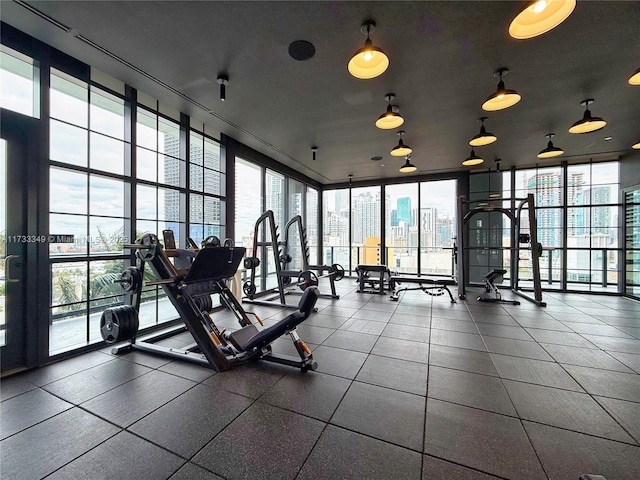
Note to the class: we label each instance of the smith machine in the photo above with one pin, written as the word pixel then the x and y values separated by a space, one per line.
pixel 285 253
pixel 188 282
pixel 515 215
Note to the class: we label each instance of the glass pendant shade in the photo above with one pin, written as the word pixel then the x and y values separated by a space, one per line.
pixel 502 98
pixel 472 160
pixel 550 151
pixel 408 167
pixel 635 78
pixel 539 17
pixel 587 123
pixel 368 62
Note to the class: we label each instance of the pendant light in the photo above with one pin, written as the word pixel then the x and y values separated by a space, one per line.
pixel 391 118
pixel 550 151
pixel 472 160
pixel 587 123
pixel 502 98
pixel 636 146
pixel 401 150
pixel 539 17
pixel 370 61
pixel 408 167
pixel 635 78
pixel 483 138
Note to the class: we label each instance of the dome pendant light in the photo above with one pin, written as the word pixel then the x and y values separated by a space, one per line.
pixel 369 61
pixel 501 98
pixel 539 17
pixel 408 167
pixel 550 151
pixel 587 123
pixel 472 160
pixel 635 78
pixel 636 146
pixel 401 150
pixel 483 138
pixel 391 118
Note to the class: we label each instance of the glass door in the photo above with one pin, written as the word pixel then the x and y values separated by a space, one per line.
pixel 16 338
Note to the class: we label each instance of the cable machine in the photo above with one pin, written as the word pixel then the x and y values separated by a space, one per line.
pixel 515 215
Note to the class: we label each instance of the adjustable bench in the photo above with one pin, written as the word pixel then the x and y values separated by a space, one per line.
pixel 426 284
pixel 376 285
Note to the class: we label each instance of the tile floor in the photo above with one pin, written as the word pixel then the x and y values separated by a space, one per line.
pixel 418 389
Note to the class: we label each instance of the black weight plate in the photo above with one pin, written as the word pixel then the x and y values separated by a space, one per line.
pixel 249 288
pixel 108 328
pixel 307 279
pixel 339 272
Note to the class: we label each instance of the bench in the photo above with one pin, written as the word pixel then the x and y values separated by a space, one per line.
pixel 376 285
pixel 435 286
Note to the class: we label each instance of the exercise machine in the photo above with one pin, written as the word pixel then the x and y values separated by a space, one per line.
pixel 287 279
pixel 516 217
pixel 203 272
pixel 434 286
pixel 373 278
pixel 491 292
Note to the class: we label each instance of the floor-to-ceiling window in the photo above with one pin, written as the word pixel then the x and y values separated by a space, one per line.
pixel 311 223
pixel 632 242
pixel 437 221
pixel 19 82
pixel 366 222
pixel 335 231
pixel 402 227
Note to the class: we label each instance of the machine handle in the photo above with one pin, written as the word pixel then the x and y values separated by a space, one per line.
pixel 7 264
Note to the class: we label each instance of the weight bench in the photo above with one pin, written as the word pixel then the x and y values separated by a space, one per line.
pixel 426 284
pixel 376 285
pixel 492 294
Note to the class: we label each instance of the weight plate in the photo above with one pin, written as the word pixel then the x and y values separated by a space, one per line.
pixel 249 289
pixel 339 272
pixel 286 281
pixel 307 279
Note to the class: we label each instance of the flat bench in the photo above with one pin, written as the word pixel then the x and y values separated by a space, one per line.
pixel 426 284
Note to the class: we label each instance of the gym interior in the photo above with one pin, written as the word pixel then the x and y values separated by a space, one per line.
pixel 309 240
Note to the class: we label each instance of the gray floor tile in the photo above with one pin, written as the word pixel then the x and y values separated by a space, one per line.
pixel 586 357
pixel 414 320
pixel 42 449
pixel 462 359
pixel 188 422
pixel 380 306
pixel 633 331
pixel 420 311
pixel 437 469
pixel 82 386
pixel 603 330
pixel 486 441
pixel 339 362
pixel 612 344
pixel 58 370
pixel 193 472
pixel 134 458
pixel 359 342
pixel 534 371
pixel 314 394
pixel 505 331
pixel 14 385
pixel 470 389
pixel 264 443
pixel 382 413
pixel 457 339
pixel 314 334
pixel 188 370
pixel 452 313
pixel 393 373
pixel 25 410
pixel 561 408
pixel 517 348
pixel 605 383
pixel 492 319
pixel 338 311
pixel 543 324
pixel 250 380
pixel 619 321
pixel 406 332
pixel 144 358
pixel 373 315
pixel 567 454
pixel 402 349
pixel 629 359
pixel 344 454
pixel 363 326
pixel 559 338
pixel 327 321
pixel 454 325
pixel 627 414
pixel 141 395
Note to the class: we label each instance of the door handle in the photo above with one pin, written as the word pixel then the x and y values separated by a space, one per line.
pixel 7 270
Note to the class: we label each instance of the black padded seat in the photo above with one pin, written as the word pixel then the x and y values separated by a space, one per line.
pixel 265 337
pixel 493 274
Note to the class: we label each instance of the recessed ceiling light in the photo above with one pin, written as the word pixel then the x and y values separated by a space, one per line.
pixel 301 50
pixel 376 158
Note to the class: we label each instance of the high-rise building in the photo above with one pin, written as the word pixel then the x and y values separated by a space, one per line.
pixel 428 226
pixel 404 210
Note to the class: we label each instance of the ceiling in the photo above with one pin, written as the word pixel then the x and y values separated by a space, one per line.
pixel 442 59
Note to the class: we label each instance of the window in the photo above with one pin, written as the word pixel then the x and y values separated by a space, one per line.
pixel 335 220
pixel 366 219
pixel 19 83
pixel 402 227
pixel 311 224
